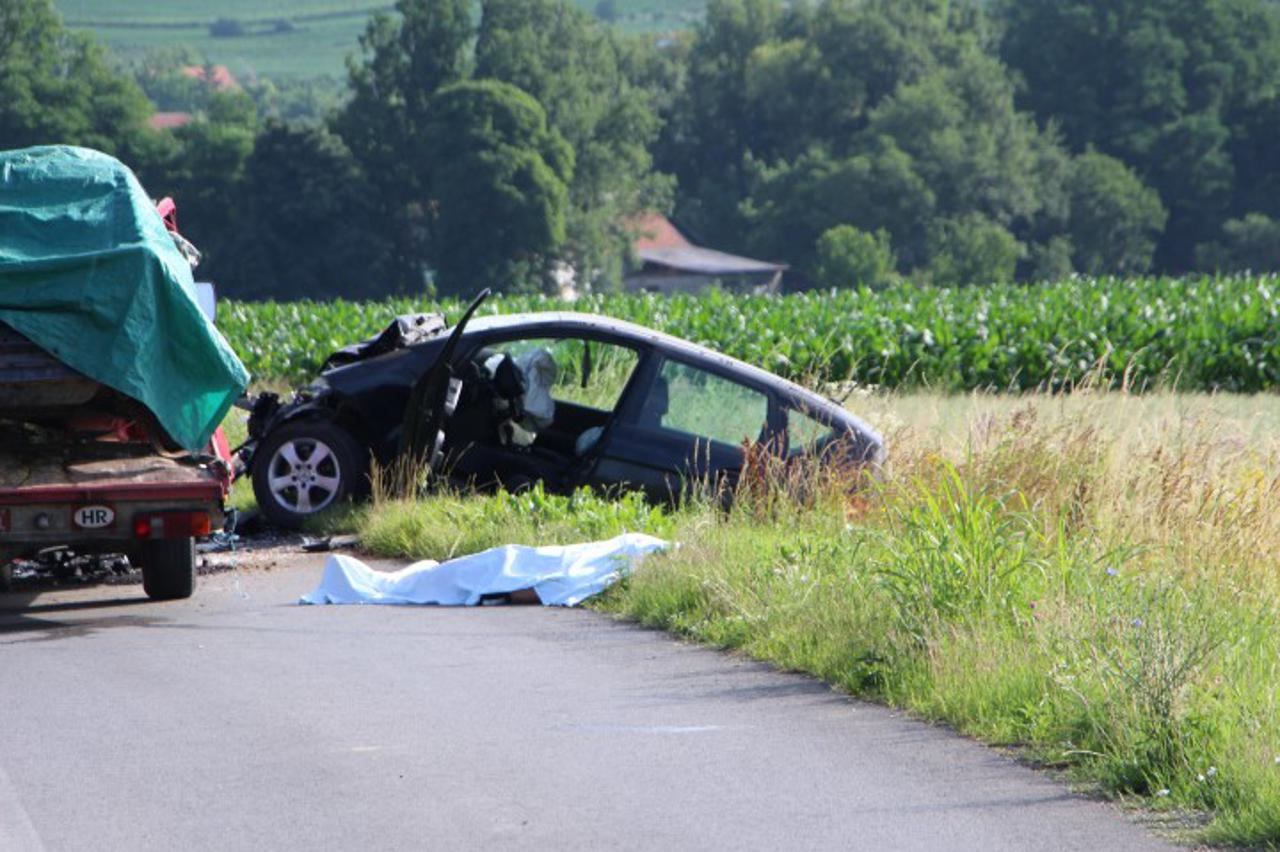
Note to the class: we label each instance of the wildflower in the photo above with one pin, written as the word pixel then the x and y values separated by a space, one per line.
pixel 1162 792
pixel 1213 770
pixel 1137 622
pixel 1200 778
pixel 1112 572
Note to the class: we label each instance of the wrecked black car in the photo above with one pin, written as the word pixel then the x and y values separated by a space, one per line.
pixel 565 399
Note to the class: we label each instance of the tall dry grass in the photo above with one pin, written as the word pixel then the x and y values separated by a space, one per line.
pixel 1093 576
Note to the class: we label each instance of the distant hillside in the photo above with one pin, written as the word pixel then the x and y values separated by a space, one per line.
pixel 297 38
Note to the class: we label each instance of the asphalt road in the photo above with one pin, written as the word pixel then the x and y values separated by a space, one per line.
pixel 237 720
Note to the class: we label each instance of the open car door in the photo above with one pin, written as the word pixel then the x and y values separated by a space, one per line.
pixel 432 399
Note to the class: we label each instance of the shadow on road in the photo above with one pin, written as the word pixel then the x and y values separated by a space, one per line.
pixel 21 614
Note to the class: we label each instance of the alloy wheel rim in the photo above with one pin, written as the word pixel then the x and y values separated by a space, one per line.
pixel 304 476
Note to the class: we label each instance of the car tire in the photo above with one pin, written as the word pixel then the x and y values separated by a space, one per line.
pixel 306 467
pixel 169 568
pixel 6 576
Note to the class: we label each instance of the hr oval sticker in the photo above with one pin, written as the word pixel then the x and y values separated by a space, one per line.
pixel 93 517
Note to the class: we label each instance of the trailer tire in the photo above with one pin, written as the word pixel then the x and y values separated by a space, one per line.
pixel 169 568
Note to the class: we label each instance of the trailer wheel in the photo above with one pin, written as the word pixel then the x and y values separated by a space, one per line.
pixel 169 568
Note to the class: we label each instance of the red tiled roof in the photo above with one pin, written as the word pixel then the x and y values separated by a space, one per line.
pixel 169 120
pixel 658 242
pixel 655 231
pixel 222 78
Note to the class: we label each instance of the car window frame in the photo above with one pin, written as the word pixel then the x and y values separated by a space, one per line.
pixel 817 414
pixel 775 416
pixel 485 339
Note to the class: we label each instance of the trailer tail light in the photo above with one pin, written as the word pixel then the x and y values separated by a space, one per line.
pixel 172 525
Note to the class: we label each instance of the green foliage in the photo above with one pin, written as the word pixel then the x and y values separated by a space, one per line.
pixel 1028 143
pixel 573 67
pixel 792 205
pixel 306 226
pixel 848 257
pixel 498 177
pixel 878 115
pixel 205 174
pixel 1203 333
pixel 448 525
pixel 1115 219
pixel 1249 243
pixel 404 61
pixel 1183 91
pixel 58 87
pixel 971 249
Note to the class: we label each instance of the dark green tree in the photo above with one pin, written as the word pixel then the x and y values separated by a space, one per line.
pixel 971 249
pixel 574 67
pixel 711 135
pixel 498 187
pixel 1174 88
pixel 1115 220
pixel 204 174
pixel 943 155
pixel 791 205
pixel 306 224
pixel 405 60
pixel 848 257
pixel 1251 243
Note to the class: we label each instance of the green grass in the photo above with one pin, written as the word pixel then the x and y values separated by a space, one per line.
pixel 317 46
pixel 1091 578
pixel 448 525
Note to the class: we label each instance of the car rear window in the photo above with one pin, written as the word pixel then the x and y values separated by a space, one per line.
pixel 805 432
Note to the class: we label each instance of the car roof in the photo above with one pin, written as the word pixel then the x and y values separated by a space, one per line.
pixel 571 322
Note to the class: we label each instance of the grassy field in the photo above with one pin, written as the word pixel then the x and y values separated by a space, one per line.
pixel 323 32
pixel 1092 578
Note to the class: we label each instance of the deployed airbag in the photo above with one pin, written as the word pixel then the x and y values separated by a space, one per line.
pixel 560 575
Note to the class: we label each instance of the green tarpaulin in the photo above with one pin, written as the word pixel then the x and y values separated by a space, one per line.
pixel 89 273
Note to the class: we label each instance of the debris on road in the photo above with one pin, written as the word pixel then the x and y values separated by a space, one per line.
pixel 330 542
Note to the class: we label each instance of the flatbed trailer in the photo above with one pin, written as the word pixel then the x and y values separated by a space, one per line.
pixel 84 469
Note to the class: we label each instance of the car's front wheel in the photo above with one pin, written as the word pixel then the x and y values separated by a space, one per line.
pixel 303 468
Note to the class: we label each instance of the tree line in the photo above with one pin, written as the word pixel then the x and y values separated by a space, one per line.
pixel 863 142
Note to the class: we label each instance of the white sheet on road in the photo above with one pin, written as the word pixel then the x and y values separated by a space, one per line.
pixel 560 575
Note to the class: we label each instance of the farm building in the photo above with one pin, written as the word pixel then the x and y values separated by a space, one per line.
pixel 669 263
